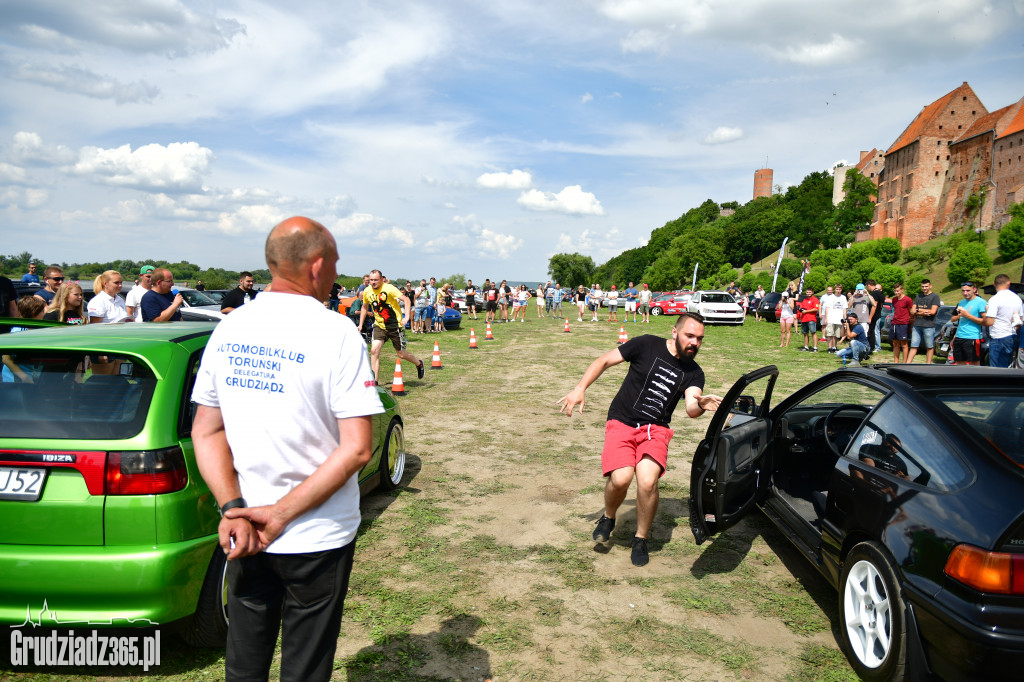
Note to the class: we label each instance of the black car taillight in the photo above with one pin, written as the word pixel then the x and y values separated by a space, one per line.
pixel 145 472
pixel 997 572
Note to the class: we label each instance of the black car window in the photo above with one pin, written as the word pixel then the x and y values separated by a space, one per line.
pixel 188 408
pixel 901 442
pixel 71 394
pixel 844 404
pixel 996 417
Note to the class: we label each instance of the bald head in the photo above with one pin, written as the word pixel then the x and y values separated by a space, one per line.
pixel 296 242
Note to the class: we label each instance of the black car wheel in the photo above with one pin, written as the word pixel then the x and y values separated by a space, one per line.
pixel 655 310
pixel 208 627
pixel 392 460
pixel 872 614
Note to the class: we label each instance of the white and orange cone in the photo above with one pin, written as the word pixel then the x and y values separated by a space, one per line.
pixel 435 362
pixel 472 339
pixel 622 335
pixel 397 385
pixel 490 336
pixel 566 330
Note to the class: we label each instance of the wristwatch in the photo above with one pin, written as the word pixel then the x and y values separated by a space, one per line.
pixel 232 504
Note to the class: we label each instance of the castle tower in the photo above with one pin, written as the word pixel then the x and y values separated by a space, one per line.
pixel 763 182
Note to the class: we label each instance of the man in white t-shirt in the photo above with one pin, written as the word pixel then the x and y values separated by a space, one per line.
pixel 1003 317
pixel 133 301
pixel 833 310
pixel 283 427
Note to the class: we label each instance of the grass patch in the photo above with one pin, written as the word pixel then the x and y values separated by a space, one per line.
pixel 822 664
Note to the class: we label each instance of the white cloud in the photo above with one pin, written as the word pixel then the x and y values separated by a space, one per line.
pixel 250 219
pixel 155 26
pixel 722 135
pixel 28 148
pixel 572 200
pixel 500 246
pixel 23 197
pixel 82 82
pixel 587 97
pixel 12 174
pixel 792 30
pixel 178 166
pixel 365 229
pixel 517 179
pixel 644 40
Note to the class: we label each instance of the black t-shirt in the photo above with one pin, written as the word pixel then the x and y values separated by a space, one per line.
pixel 200 287
pixel 236 298
pixel 926 301
pixel 654 384
pixel 7 294
pixel 879 297
pixel 335 290
pixel 69 317
pixel 491 293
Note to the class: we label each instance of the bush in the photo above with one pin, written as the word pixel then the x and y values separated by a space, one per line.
pixel 1011 239
pixel 747 267
pixel 789 269
pixel 969 262
pixel 887 250
pixel 888 276
pixel 825 257
pixel 913 285
pixel 848 278
pixel 866 267
pixel 854 255
pixel 765 280
pixel 815 280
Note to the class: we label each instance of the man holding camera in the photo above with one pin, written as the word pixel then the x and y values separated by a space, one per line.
pixel 857 334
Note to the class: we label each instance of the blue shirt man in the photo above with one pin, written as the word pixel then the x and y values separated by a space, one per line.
pixel 30 277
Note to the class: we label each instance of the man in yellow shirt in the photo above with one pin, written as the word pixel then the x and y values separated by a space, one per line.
pixel 386 302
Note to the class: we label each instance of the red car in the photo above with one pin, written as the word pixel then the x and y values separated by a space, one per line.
pixel 670 304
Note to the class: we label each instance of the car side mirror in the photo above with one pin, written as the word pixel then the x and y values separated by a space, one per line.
pixel 745 404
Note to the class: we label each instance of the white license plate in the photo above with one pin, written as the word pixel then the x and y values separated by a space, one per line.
pixel 25 484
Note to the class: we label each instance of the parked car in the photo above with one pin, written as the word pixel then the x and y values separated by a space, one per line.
pixel 669 304
pixel 199 307
pixel 902 485
pixel 942 316
pixel 106 519
pixel 452 317
pixel 766 308
pixel 717 307
pixel 216 295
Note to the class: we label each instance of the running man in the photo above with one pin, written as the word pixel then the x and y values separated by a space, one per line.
pixel 637 432
pixel 386 302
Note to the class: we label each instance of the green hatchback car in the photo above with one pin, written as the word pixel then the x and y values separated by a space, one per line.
pixel 104 518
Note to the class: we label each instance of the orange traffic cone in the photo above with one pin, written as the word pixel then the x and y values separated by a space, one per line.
pixel 435 362
pixel 490 336
pixel 566 330
pixel 622 335
pixel 472 339
pixel 397 385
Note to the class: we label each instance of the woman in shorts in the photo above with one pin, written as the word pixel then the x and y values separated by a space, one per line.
pixel 784 311
pixel 522 298
pixel 580 298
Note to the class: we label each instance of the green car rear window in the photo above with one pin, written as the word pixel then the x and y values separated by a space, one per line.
pixel 72 395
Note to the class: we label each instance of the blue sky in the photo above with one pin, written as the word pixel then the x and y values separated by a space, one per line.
pixel 446 136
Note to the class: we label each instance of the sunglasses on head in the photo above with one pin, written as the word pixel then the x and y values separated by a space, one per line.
pixel 967 284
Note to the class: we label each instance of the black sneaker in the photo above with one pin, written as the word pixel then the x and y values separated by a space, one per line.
pixel 639 556
pixel 814 350
pixel 805 348
pixel 604 529
pixel 419 370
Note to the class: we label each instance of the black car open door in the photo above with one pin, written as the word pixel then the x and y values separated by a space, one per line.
pixel 728 470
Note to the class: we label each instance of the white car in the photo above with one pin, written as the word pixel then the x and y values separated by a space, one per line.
pixel 716 307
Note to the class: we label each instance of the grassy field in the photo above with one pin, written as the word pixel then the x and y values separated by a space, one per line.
pixel 482 567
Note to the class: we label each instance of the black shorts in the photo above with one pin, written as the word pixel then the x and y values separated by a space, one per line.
pixel 967 350
pixel 470 301
pixel 492 306
pixel 900 332
pixel 395 334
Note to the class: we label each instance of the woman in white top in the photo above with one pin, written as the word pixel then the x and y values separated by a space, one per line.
pixel 107 307
pixel 523 297
pixel 784 311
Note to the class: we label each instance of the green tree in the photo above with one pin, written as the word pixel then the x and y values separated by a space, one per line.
pixel 571 269
pixel 851 214
pixel 970 262
pixel 674 268
pixel 887 250
pixel 866 267
pixel 815 280
pixel 811 204
pixel 789 269
pixel 888 276
pixel 1011 236
pixel 913 285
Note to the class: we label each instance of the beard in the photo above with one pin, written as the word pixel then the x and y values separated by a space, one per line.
pixel 685 353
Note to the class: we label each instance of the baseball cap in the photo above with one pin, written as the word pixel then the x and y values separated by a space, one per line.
pixel 146 269
pixel 860 287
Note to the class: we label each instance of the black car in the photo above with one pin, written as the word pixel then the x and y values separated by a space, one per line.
pixel 904 486
pixel 766 308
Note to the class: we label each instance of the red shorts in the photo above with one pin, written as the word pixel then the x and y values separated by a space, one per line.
pixel 625 445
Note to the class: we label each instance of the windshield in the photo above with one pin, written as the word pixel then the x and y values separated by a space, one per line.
pixel 194 298
pixel 999 419
pixel 717 298
pixel 63 395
